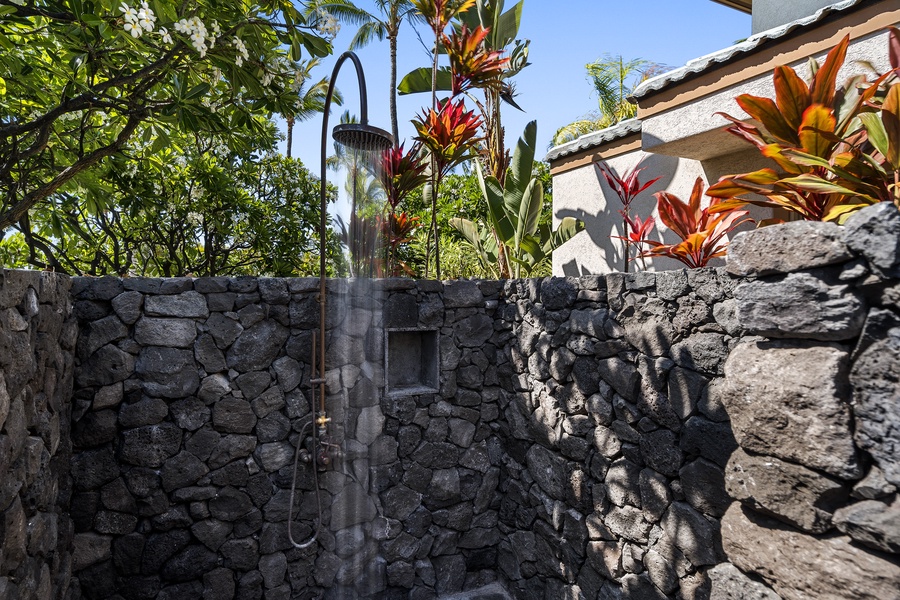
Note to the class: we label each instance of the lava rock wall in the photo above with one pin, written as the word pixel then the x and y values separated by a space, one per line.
pixel 37 339
pixel 715 433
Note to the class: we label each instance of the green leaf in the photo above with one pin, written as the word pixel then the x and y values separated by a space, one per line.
pixel 296 46
pixel 493 195
pixel 877 133
pixel 567 229
pixel 198 90
pixel 521 168
pixel 419 81
pixel 506 28
pixel 530 210
pixel 91 19
pixel 316 46
pixel 813 183
pixel 2 87
pixel 7 10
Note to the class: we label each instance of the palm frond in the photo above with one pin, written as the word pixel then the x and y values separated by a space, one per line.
pixel 368 32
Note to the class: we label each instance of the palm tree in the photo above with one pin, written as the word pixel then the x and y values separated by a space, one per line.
pixel 311 100
pixel 371 27
pixel 614 80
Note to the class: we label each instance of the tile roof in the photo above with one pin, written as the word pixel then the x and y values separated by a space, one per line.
pixel 748 46
pixel 594 139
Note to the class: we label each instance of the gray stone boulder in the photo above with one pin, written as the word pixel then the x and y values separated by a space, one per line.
pixel 474 331
pixel 187 305
pixel 790 493
pixel 788 399
pixel 548 470
pixel 692 533
pixel 876 387
pixel 703 352
pixel 150 446
pixel 798 565
pixel 106 366
pixel 257 347
pixel 809 305
pixel 458 294
pixel 728 583
pixel 703 485
pixel 167 372
pixel 786 248
pixel 874 232
pixel 872 523
pixel 176 333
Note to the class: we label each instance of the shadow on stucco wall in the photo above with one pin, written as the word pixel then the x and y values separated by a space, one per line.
pixel 600 226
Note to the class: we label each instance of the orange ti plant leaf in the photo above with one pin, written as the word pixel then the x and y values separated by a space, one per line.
pixel 449 133
pixel 837 148
pixel 471 63
pixel 439 13
pixel 702 232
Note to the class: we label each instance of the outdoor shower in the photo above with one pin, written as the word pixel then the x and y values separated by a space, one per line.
pixel 360 137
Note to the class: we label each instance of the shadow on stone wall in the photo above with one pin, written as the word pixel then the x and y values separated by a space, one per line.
pixel 687 434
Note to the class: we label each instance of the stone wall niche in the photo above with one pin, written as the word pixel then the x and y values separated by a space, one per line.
pixel 412 362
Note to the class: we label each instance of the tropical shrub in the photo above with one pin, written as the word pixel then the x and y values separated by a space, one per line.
pixel 701 231
pixel 837 149
pixel 82 80
pixel 512 239
pixel 627 188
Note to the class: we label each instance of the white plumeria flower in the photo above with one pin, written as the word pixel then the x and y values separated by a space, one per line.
pixel 129 14
pixel 166 37
pixel 146 19
pixel 134 29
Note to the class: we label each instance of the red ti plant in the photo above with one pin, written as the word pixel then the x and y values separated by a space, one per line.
pixel 449 134
pixel 627 188
pixel 637 231
pixel 398 230
pixel 471 63
pixel 700 230
pixel 439 13
pixel 813 133
pixel 401 173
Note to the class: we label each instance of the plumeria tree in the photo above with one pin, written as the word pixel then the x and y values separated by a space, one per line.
pixel 202 206
pixel 85 79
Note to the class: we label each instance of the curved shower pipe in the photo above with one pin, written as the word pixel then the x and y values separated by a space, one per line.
pixel 359 136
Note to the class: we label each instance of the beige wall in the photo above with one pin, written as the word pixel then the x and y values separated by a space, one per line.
pixel 584 194
pixel 772 13
pixel 696 131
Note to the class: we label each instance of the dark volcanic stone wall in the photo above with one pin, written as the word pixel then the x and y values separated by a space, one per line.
pixel 717 433
pixel 190 399
pixel 615 434
pixel 37 338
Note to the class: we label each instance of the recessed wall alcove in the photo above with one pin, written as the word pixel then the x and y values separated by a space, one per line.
pixel 411 362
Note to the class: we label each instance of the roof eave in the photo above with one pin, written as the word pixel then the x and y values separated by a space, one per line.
pixel 745 6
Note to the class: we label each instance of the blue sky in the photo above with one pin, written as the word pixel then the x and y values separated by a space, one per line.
pixel 565 35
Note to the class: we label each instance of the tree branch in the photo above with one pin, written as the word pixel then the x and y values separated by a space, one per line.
pixel 17 210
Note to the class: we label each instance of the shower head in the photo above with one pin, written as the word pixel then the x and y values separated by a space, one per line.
pixel 362 137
